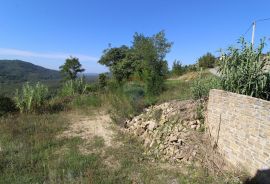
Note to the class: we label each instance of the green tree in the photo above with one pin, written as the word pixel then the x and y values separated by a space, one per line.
pixel 151 52
pixel 121 61
pixel 207 61
pixel 71 68
pixel 145 60
pixel 102 80
pixel 177 68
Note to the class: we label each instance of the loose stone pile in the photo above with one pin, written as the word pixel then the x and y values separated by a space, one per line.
pixel 169 131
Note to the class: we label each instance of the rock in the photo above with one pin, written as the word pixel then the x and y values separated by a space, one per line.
pixel 152 143
pixel 193 127
pixel 180 141
pixel 169 138
pixel 173 138
pixel 151 126
pixel 145 124
pixel 144 135
pixel 139 131
pixel 147 142
pixel 162 121
pixel 179 155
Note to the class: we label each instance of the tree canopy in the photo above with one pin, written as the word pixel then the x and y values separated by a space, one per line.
pixel 71 68
pixel 145 59
pixel 177 68
pixel 207 61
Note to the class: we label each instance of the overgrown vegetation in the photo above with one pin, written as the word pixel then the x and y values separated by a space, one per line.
pixel 243 70
pixel 74 87
pixel 202 85
pixel 31 150
pixel 31 98
pixel 207 61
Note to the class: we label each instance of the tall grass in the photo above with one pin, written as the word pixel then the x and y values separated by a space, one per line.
pixel 73 87
pixel 31 98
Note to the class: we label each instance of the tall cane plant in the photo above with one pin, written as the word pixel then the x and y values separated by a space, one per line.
pixel 31 98
pixel 244 70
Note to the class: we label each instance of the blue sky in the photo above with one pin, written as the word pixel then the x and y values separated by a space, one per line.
pixel 45 32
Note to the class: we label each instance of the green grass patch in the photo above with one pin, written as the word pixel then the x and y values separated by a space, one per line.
pixel 32 153
pixel 175 90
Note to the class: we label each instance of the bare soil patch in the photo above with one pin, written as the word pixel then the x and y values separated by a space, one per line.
pixel 88 127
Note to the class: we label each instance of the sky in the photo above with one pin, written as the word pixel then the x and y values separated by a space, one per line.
pixel 46 32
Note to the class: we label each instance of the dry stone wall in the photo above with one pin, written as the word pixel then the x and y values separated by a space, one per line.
pixel 239 126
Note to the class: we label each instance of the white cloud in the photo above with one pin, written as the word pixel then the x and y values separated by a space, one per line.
pixel 62 56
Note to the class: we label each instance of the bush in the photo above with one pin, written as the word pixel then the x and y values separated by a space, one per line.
pixel 73 87
pixel 32 98
pixel 243 70
pixel 7 105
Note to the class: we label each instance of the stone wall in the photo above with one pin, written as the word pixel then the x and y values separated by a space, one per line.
pixel 240 127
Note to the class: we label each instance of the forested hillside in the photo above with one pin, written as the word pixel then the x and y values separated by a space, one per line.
pixel 14 73
pixel 20 71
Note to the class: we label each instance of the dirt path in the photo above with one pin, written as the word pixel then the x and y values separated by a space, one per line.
pixel 87 127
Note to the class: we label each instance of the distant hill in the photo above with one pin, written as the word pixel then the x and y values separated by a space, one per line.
pixel 17 71
pixel 14 73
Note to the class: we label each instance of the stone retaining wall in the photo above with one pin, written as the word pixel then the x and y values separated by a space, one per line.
pixel 240 127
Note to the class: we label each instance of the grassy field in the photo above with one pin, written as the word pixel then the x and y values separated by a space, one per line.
pixel 33 152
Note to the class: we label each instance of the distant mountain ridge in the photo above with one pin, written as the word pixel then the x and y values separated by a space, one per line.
pixel 18 71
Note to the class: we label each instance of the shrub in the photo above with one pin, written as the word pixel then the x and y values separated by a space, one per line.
pixel 243 71
pixel 73 87
pixel 7 105
pixel 31 97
